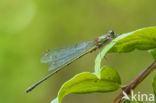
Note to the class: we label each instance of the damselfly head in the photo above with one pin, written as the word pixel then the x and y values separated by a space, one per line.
pixel 112 34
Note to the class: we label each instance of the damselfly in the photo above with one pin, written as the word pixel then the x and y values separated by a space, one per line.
pixel 58 58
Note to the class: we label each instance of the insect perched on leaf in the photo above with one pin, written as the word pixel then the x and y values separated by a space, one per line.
pixel 60 57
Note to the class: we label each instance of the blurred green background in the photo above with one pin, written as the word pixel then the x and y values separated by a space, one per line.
pixel 28 27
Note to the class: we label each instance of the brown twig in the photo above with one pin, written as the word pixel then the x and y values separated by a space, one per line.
pixel 136 81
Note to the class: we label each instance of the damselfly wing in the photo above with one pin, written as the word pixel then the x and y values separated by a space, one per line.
pixel 57 57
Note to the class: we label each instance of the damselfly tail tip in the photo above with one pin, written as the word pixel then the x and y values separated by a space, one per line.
pixel 28 90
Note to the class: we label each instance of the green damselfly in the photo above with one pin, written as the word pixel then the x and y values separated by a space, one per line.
pixel 58 58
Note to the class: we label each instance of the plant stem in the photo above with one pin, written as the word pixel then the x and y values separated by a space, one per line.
pixel 136 81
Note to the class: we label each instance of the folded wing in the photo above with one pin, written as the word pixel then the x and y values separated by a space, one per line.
pixel 57 57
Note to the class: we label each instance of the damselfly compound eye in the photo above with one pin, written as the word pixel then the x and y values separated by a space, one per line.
pixel 112 33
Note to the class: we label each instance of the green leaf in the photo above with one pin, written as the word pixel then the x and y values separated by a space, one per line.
pixel 108 73
pixel 88 83
pixel 154 86
pixel 142 39
pixel 100 57
pixel 153 53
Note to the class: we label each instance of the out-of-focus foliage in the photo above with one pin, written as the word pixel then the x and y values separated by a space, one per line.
pixel 153 53
pixel 28 27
